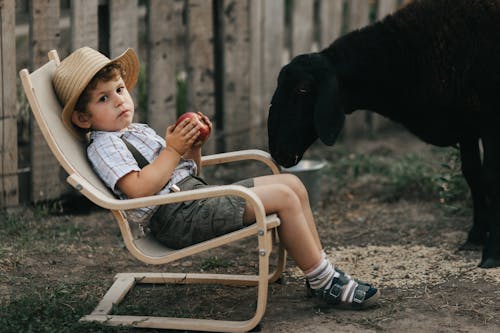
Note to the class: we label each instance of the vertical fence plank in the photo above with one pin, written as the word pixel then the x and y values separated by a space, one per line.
pixel 9 192
pixel 123 26
pixel 84 24
pixel 386 7
pixel 359 13
pixel 331 18
pixel 237 80
pixel 200 58
pixel 163 27
pixel 302 26
pixel 273 41
pixel 44 36
pixel 257 136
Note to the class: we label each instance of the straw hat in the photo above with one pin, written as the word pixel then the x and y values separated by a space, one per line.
pixel 76 71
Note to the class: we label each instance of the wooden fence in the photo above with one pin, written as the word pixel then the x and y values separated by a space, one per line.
pixel 221 57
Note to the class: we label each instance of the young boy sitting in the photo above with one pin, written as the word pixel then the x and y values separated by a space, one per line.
pixel 133 161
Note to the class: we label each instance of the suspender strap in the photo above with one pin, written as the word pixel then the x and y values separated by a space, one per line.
pixel 141 160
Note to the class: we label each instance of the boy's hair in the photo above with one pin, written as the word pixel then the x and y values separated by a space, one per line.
pixel 108 73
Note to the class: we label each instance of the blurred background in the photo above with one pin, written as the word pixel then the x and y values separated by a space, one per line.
pixel 219 57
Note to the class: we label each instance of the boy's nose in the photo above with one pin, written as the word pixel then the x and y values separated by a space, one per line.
pixel 119 99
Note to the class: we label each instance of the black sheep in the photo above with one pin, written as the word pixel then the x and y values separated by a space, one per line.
pixel 434 67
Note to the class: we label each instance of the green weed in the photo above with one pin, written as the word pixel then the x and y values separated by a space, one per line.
pixel 411 177
pixel 436 178
pixel 453 189
pixel 181 100
pixel 215 262
pixel 12 225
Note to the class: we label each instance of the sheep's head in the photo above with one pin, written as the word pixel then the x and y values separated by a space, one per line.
pixel 304 106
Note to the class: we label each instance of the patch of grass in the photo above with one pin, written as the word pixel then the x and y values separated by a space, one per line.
pixel 55 308
pixel 21 231
pixel 411 177
pixel 215 262
pixel 453 187
pixel 12 225
pixel 436 177
pixel 47 208
pixel 354 166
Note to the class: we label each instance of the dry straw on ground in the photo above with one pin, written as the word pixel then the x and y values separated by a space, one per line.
pixel 407 266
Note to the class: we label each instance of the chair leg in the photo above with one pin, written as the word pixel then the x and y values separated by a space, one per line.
pixel 281 260
pixel 124 282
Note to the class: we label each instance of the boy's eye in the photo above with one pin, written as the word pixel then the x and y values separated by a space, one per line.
pixel 103 98
pixel 120 90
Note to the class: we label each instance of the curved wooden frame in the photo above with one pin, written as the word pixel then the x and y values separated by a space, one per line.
pixel 70 154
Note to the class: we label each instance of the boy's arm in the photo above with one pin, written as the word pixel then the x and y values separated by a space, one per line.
pixel 194 154
pixel 153 177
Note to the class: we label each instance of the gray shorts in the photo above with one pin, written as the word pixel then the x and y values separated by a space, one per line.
pixel 186 223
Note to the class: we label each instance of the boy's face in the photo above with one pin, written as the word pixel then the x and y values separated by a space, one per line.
pixel 110 108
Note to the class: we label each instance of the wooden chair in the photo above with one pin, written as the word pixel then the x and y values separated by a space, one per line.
pixel 70 153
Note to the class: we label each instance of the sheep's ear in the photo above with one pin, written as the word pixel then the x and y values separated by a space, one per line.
pixel 328 116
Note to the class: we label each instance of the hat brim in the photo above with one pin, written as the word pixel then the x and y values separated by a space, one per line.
pixel 128 61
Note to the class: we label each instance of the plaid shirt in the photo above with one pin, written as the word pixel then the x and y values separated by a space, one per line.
pixel 111 160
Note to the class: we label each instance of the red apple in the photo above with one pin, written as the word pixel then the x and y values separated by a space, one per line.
pixel 204 128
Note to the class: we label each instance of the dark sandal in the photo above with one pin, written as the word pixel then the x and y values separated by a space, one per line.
pixel 365 295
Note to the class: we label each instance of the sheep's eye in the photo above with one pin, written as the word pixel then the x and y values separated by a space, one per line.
pixel 303 89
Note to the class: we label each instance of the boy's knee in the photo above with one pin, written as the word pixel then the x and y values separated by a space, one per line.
pixel 296 184
pixel 288 194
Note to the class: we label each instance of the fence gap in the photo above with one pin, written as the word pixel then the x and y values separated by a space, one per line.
pixel 302 27
pixel 219 77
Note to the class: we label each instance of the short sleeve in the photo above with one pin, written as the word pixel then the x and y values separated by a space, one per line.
pixel 111 159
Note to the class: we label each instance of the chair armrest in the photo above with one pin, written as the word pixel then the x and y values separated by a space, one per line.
pixel 105 201
pixel 241 155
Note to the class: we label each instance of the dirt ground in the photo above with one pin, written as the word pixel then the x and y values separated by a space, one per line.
pixel 407 247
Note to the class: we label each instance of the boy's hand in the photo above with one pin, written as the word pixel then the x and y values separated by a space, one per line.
pixel 206 121
pixel 182 136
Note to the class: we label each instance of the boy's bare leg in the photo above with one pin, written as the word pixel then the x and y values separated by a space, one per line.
pixel 300 190
pixel 299 236
pixel 295 232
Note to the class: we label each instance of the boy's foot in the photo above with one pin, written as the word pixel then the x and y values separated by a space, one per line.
pixel 345 292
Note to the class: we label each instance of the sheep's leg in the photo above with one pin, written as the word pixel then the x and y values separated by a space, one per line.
pixel 471 169
pixel 491 184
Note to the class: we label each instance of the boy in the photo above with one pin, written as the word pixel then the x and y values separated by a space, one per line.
pixel 134 161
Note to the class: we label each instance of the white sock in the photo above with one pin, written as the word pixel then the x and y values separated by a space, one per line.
pixel 322 275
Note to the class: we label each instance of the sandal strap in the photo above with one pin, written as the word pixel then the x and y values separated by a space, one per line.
pixel 359 296
pixel 333 294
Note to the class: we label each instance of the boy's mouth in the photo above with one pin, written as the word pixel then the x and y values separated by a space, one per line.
pixel 122 113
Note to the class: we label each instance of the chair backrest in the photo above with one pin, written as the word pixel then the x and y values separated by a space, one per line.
pixel 69 150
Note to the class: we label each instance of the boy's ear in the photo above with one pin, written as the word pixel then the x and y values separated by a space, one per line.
pixel 81 119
